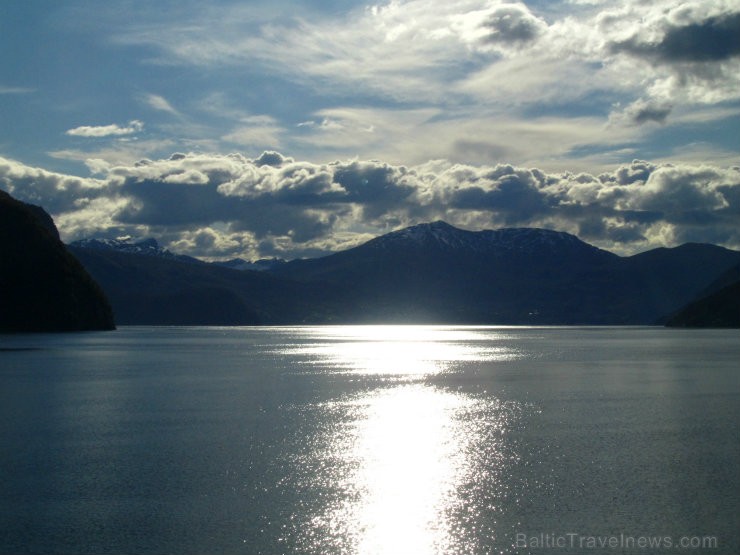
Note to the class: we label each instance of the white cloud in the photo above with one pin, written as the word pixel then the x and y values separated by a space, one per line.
pixel 94 216
pixel 472 63
pixel 117 152
pixel 160 103
pixel 256 132
pixel 218 243
pixel 215 205
pixel 641 111
pixel 503 26
pixel 416 136
pixel 113 130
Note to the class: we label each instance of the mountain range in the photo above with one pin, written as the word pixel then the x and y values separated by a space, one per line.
pixel 428 273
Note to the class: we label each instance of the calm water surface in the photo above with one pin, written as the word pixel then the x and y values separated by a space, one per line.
pixel 370 440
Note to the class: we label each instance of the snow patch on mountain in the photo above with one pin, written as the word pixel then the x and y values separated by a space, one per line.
pixel 443 236
pixel 261 265
pixel 150 247
pixel 127 244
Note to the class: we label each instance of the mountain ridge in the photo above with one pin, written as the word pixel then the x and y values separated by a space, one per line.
pixel 448 236
pixel 429 273
pixel 147 247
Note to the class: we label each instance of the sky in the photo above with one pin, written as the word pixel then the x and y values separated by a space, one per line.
pixel 273 128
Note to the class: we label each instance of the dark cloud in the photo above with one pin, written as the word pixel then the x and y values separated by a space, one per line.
pixel 643 112
pixel 214 205
pixel 679 190
pixel 642 216
pixel 638 170
pixel 172 204
pixel 307 185
pixel 268 221
pixel 375 186
pixel 512 24
pixel 712 40
pixel 515 197
pixel 598 229
pixel 731 195
pixel 271 158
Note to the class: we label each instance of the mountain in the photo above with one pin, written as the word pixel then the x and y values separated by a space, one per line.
pixel 717 306
pixel 718 310
pixel 429 273
pixel 42 286
pixel 729 277
pixel 155 290
pixel 261 265
pixel 436 272
pixel 150 247
pixel 147 247
pixel 663 280
pixel 440 236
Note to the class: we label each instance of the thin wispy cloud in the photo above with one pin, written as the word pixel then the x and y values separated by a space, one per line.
pixel 15 90
pixel 113 130
pixel 160 103
pixel 491 61
pixel 253 131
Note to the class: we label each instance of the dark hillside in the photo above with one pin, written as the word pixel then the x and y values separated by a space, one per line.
pixel 164 291
pixel 718 310
pixel 42 286
pixel 439 273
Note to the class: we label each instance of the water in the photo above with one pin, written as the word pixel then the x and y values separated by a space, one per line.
pixel 370 440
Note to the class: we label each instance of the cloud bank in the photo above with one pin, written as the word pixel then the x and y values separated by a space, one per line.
pixel 217 206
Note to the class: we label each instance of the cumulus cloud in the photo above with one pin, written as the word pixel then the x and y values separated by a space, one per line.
pixel 214 240
pixel 687 52
pixel 113 130
pixel 642 111
pixel 712 39
pixel 54 191
pixel 231 205
pixel 512 24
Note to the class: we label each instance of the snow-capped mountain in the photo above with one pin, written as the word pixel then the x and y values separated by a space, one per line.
pixel 146 247
pixel 261 265
pixel 150 247
pixel 521 241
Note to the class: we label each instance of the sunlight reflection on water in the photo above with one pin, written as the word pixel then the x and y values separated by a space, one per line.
pixel 397 352
pixel 320 441
pixel 401 469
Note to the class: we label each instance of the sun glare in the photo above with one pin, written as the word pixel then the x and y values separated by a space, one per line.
pixel 398 352
pixel 411 458
pixel 407 452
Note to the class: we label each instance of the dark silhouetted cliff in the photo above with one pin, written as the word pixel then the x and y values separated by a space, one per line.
pixel 42 286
